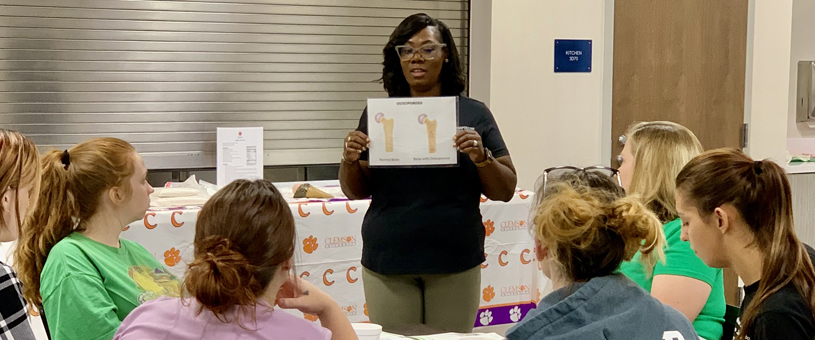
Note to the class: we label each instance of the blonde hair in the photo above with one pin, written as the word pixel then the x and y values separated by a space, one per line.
pixel 19 167
pixel 75 179
pixel 660 150
pixel 591 230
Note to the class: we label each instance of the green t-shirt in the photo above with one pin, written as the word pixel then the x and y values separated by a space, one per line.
pixel 682 261
pixel 88 288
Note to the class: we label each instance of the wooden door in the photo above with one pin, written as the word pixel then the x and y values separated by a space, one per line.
pixel 682 61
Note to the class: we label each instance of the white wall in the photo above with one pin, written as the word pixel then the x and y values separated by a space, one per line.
pixel 803 48
pixel 547 119
pixel 768 84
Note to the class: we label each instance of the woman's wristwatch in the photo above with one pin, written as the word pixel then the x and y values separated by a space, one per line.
pixel 487 161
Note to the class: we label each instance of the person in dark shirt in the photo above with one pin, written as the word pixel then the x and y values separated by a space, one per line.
pixel 423 237
pixel 19 186
pixel 737 213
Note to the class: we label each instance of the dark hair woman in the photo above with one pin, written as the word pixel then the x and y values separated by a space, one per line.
pixel 423 235
pixel 244 244
pixel 737 213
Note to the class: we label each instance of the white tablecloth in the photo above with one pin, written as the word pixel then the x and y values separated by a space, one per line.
pixel 330 247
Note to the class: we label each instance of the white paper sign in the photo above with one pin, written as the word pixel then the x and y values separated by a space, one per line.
pixel 412 131
pixel 240 154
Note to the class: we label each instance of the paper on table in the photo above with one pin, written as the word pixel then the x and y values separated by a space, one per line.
pixel 187 193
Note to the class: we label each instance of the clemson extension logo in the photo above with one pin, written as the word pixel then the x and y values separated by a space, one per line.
pixel 515 290
pixel 488 294
pixel 489 227
pixel 351 278
pixel 349 310
pixel 310 244
pixel 342 241
pixel 172 257
pixel 513 225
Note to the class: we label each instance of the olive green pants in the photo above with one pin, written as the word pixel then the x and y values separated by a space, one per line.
pixel 447 302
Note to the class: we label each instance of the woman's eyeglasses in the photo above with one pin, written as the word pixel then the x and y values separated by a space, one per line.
pixel 427 52
pixel 558 171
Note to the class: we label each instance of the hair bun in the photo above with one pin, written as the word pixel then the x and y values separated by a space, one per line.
pixel 217 249
pixel 221 277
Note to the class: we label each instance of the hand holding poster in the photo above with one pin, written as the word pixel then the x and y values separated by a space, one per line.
pixel 406 131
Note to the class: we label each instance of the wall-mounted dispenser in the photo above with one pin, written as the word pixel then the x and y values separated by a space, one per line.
pixel 805 100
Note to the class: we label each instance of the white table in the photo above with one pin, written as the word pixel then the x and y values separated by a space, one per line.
pixel 330 247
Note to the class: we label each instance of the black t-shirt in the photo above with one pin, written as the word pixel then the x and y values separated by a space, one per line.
pixel 428 220
pixel 783 315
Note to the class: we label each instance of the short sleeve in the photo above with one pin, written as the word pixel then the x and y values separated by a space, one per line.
pixel 363 127
pixel 80 308
pixel 490 134
pixel 778 325
pixel 680 259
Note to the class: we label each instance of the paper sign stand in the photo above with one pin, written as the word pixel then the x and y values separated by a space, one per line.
pixel 239 154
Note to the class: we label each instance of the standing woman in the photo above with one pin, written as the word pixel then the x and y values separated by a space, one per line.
pixel 653 155
pixel 70 256
pixel 423 235
pixel 19 186
pixel 737 213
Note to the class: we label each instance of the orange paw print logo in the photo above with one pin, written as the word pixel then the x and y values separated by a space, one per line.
pixel 488 293
pixel 310 317
pixel 310 244
pixel 172 257
pixel 489 226
pixel 365 309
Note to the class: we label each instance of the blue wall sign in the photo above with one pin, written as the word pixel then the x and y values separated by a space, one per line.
pixel 572 55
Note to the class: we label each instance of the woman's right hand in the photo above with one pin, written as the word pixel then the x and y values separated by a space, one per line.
pixel 355 143
pixel 302 295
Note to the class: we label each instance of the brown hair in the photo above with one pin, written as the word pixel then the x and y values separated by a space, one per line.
pixel 591 228
pixel 660 150
pixel 75 180
pixel 761 193
pixel 19 167
pixel 245 231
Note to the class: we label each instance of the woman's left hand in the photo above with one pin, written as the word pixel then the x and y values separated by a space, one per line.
pixel 469 142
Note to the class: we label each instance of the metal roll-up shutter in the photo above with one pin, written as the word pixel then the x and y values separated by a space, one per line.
pixel 164 74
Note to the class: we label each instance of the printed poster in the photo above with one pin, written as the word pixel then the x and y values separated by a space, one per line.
pixel 408 132
pixel 239 154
